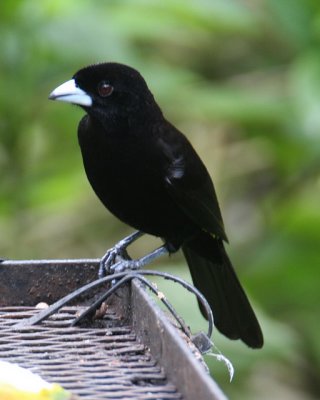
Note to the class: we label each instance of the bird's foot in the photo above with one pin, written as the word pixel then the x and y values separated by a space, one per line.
pixel 118 260
pixel 133 265
pixel 126 265
pixel 117 255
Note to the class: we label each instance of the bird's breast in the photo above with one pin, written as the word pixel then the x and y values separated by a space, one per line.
pixel 129 179
pixel 115 169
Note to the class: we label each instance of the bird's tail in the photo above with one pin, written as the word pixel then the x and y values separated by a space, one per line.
pixel 213 274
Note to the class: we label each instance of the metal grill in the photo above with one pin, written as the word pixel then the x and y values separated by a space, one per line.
pixel 94 363
pixel 131 352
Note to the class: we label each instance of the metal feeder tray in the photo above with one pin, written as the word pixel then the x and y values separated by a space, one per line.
pixel 133 352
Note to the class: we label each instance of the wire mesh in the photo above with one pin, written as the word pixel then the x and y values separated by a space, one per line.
pixel 103 361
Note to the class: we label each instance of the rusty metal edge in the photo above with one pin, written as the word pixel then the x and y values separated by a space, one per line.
pixel 170 350
pixel 28 282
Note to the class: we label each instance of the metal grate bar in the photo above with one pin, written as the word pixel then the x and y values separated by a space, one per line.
pixel 95 363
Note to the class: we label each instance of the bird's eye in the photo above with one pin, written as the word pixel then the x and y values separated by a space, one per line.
pixel 104 89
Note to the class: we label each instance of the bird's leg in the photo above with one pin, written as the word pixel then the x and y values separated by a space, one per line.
pixel 116 252
pixel 128 264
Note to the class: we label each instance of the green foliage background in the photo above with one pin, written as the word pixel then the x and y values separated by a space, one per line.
pixel 241 78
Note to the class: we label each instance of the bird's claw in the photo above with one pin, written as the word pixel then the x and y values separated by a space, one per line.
pixel 115 256
pixel 125 265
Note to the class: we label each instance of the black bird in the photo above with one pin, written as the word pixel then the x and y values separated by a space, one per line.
pixel 147 174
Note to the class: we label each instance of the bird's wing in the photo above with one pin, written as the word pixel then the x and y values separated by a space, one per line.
pixel 189 184
pixel 200 207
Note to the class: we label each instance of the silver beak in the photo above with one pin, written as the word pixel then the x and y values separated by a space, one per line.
pixel 70 93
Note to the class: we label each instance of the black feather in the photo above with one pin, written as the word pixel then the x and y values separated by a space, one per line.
pixel 213 274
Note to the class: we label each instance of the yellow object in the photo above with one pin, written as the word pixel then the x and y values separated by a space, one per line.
pixel 18 383
pixel 56 392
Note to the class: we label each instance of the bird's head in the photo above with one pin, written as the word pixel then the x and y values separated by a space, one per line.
pixel 108 91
